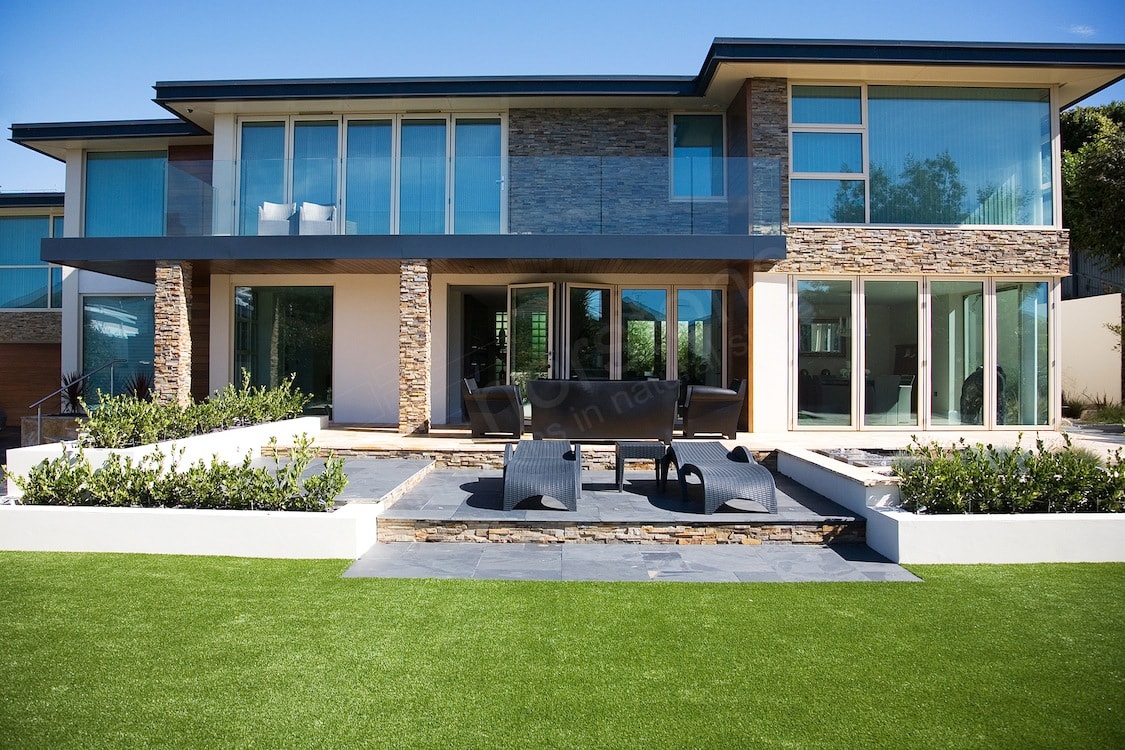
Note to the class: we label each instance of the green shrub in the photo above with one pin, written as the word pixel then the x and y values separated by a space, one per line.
pixel 123 482
pixel 985 479
pixel 127 420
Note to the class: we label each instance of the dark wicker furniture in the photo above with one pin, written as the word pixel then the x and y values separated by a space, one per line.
pixel 589 410
pixel 710 410
pixel 638 450
pixel 535 468
pixel 493 410
pixel 725 475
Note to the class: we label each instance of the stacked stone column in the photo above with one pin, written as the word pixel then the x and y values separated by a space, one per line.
pixel 414 347
pixel 172 333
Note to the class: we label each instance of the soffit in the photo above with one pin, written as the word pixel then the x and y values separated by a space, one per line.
pixel 1074 83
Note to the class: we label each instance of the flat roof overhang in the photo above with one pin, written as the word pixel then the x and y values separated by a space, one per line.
pixel 55 138
pixel 135 257
pixel 32 200
pixel 1078 70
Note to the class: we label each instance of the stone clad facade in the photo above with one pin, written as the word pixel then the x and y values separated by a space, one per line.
pixel 172 333
pixel 414 343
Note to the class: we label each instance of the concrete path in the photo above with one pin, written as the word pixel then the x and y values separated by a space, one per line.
pixel 627 562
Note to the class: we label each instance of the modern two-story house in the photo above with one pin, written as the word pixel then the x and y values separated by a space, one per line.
pixel 869 233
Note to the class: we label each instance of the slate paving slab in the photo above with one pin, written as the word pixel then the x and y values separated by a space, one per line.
pixel 626 562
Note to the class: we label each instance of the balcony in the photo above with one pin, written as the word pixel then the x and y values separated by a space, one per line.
pixel 465 195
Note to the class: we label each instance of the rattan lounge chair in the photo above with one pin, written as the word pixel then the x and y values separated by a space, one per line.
pixel 494 409
pixel 725 475
pixel 710 410
pixel 548 468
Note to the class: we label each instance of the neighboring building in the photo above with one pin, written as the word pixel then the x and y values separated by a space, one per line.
pixel 861 229
pixel 30 302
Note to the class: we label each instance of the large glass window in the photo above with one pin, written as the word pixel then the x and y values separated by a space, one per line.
pixel 697 156
pixel 116 327
pixel 890 352
pixel 262 178
pixel 315 146
pixel 1022 372
pixel 939 155
pixel 476 177
pixel 699 336
pixel 286 330
pixel 644 333
pixel 591 352
pixel 824 360
pixel 422 177
pixel 956 352
pixel 983 357
pixel 26 282
pixel 125 193
pixel 368 187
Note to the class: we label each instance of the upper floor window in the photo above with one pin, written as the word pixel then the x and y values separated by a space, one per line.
pixel 396 175
pixel 26 282
pixel 926 155
pixel 125 193
pixel 697 156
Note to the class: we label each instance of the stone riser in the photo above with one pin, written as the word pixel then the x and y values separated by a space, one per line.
pixel 561 532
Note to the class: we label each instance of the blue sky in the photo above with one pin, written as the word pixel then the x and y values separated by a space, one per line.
pixel 76 60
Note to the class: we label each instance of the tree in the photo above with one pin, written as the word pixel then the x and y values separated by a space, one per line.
pixel 927 191
pixel 1093 169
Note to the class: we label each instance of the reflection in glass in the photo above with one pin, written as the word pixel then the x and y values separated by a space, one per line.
pixel 890 352
pixel 282 331
pixel 590 354
pixel 368 190
pixel 644 333
pixel 314 162
pixel 839 105
pixel 1021 353
pixel 827 201
pixel 697 156
pixel 476 177
pixel 956 352
pixel 262 171
pixel 827 152
pixel 116 327
pixel 422 177
pixel 529 340
pixel 824 372
pixel 125 193
pixel 699 337
pixel 953 155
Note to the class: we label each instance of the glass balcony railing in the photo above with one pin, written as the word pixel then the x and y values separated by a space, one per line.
pixel 466 195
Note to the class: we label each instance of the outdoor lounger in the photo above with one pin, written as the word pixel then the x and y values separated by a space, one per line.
pixel 542 468
pixel 724 475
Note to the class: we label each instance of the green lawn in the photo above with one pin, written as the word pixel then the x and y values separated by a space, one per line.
pixel 132 651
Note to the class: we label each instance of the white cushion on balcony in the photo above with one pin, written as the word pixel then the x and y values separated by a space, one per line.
pixel 275 211
pixel 316 212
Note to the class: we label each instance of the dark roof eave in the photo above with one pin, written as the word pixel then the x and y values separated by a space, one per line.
pixel 413 88
pixel 27 133
pixel 32 200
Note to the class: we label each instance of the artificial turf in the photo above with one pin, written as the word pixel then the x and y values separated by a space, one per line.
pixel 145 651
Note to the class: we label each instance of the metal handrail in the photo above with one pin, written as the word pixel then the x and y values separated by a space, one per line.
pixel 38 405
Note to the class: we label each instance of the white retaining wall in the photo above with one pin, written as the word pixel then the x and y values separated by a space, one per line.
pixel 342 534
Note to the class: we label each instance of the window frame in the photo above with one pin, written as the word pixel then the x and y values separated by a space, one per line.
pixel 672 197
pixel 856 356
pixel 1056 152
pixel 396 120
pixel 52 215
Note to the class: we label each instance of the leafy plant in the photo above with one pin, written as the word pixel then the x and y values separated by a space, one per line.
pixel 985 479
pixel 123 482
pixel 140 385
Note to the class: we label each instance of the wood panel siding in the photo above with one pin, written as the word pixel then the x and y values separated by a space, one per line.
pixel 200 327
pixel 28 372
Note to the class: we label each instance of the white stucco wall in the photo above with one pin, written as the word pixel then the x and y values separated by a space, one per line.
pixel 364 339
pixel 770 361
pixel 1091 367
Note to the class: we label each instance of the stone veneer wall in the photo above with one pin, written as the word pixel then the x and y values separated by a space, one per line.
pixel 767 101
pixel 598 171
pixel 414 347
pixel 31 327
pixel 1033 252
pixel 172 334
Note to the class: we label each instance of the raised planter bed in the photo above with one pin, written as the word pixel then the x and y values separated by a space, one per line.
pixel 230 445
pixel 906 537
